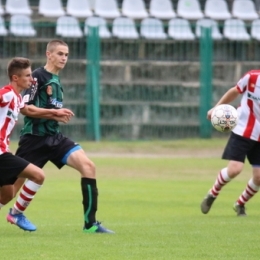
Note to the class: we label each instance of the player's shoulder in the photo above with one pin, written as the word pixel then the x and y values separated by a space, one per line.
pixel 6 89
pixel 39 71
pixel 253 72
pixel 40 75
pixel 249 74
pixel 6 93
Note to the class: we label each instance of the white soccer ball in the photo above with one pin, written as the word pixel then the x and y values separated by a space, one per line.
pixel 224 118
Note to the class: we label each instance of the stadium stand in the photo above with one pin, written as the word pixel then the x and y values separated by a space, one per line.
pixel 215 33
pixel 21 25
pixel 217 9
pixel 68 26
pixel 79 8
pixel 124 28
pixel 149 87
pixel 162 9
pixel 18 7
pixel 107 9
pixel 51 8
pixel 235 29
pixel 3 30
pixel 189 9
pixel 1 8
pixel 152 28
pixel 180 29
pixel 101 22
pixel 134 9
pixel 255 29
pixel 244 9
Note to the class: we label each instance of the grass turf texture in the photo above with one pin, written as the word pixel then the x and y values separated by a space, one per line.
pixel 153 205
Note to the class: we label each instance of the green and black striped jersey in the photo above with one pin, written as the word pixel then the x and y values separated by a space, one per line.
pixel 45 92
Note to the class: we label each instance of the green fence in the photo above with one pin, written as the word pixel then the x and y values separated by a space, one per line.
pixel 148 89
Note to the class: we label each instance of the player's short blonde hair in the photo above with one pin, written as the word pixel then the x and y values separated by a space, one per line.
pixel 54 43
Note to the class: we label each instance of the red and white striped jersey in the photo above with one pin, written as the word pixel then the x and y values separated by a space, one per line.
pixel 10 104
pixel 249 109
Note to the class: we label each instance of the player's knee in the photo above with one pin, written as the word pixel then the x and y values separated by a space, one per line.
pixel 92 167
pixel 256 177
pixel 234 171
pixel 39 176
pixel 234 168
pixel 89 169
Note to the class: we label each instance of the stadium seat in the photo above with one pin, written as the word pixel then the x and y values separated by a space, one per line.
pixel 235 29
pixel 124 28
pixel 180 29
pixel 21 25
pixel 107 9
pixel 255 29
pixel 244 9
pixel 52 8
pixel 18 7
pixel 217 9
pixel 162 9
pixel 1 8
pixel 98 22
pixel 189 9
pixel 152 28
pixel 68 26
pixel 3 31
pixel 79 8
pixel 92 4
pixel 216 35
pixel 134 9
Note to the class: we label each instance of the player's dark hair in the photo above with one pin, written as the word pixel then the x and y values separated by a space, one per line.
pixel 17 64
pixel 54 43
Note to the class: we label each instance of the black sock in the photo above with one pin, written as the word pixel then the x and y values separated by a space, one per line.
pixel 90 200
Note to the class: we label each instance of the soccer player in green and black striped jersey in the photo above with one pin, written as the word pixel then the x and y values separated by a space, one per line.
pixel 41 140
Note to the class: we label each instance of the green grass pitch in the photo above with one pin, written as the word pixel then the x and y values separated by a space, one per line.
pixel 152 203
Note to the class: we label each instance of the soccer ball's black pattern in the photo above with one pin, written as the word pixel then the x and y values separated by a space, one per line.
pixel 224 118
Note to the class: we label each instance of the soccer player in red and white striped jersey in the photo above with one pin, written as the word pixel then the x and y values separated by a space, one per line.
pixel 11 166
pixel 244 142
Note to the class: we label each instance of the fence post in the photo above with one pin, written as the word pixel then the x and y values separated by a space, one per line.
pixel 92 88
pixel 206 53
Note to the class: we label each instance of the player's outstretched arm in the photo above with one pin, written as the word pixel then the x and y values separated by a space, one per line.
pixel 228 97
pixel 36 112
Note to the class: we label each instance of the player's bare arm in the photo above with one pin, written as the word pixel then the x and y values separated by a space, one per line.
pixel 228 97
pixel 36 112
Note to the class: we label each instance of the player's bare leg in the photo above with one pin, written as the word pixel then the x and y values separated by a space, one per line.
pixel 8 192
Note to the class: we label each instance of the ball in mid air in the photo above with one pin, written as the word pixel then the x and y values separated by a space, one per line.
pixel 224 118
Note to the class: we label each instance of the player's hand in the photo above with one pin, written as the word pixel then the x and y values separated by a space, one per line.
pixel 64 112
pixel 63 119
pixel 209 113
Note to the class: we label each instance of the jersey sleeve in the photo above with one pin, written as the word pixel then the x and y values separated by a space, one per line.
pixel 30 96
pixel 243 83
pixel 5 96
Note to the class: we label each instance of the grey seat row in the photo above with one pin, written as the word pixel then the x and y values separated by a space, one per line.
pixel 126 28
pixel 135 9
